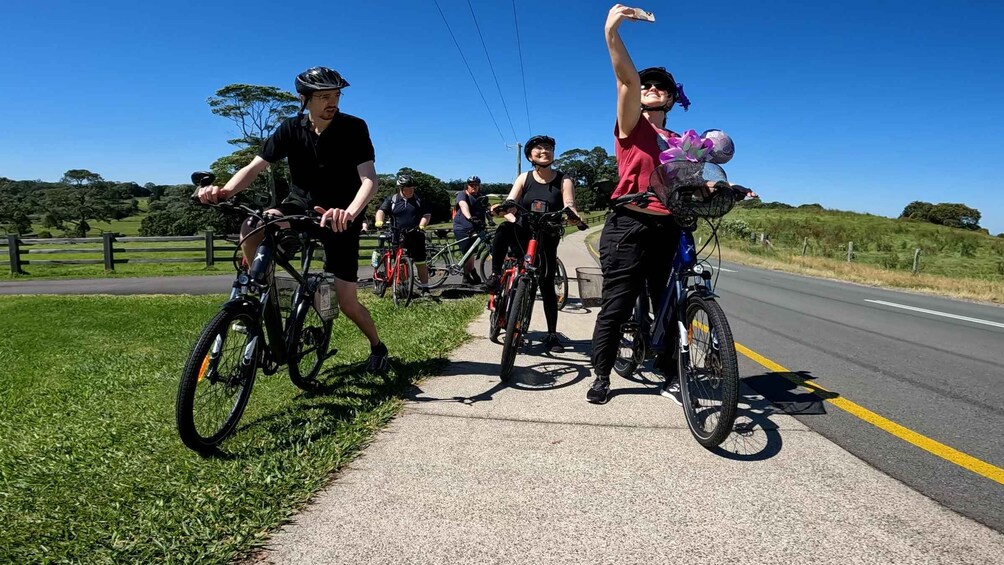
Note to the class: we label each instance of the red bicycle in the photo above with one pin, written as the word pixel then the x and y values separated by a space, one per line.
pixel 392 267
pixel 512 307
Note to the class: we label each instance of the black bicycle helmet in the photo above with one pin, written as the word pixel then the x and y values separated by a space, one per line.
pixel 319 78
pixel 535 141
pixel 661 75
pixel 405 180
pixel 473 179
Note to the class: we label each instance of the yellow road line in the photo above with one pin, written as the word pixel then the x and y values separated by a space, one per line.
pixel 947 453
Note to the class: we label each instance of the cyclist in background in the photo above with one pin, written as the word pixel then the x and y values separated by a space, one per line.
pixel 331 164
pixel 637 244
pixel 411 216
pixel 558 191
pixel 468 221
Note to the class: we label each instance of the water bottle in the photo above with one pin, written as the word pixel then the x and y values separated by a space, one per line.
pixel 375 260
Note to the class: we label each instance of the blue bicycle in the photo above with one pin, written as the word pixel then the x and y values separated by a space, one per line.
pixel 705 353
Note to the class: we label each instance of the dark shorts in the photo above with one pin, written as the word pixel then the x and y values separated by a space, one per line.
pixel 341 250
pixel 464 239
pixel 414 242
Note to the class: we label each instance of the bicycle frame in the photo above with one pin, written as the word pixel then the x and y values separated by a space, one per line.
pixel 674 297
pixel 473 251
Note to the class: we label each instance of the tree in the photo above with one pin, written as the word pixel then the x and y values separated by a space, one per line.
pixel 955 216
pixel 917 210
pixel 257 111
pixel 84 197
pixel 15 207
pixel 587 168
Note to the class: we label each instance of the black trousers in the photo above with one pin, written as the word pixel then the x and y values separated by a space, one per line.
pixel 635 251
pixel 512 239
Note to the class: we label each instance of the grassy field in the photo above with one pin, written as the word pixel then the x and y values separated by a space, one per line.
pixel 91 468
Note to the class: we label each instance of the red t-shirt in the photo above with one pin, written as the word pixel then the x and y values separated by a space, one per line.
pixel 637 157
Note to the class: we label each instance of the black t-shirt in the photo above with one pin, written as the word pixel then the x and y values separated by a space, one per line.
pixel 477 209
pixel 322 167
pixel 550 192
pixel 406 211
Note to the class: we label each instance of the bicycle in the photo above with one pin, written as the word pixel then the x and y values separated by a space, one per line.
pixel 445 259
pixel 512 307
pixel 393 259
pixel 249 333
pixel 706 358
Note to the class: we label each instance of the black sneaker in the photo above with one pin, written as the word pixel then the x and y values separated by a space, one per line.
pixel 671 390
pixel 379 360
pixel 597 393
pixel 475 278
pixel 553 344
pixel 492 284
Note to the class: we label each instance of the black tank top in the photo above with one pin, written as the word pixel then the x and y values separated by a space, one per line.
pixel 550 192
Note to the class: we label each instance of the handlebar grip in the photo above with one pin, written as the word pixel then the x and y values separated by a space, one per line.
pixel 203 178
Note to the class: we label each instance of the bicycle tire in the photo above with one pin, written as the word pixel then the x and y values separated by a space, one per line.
pixel 709 386
pixel 561 285
pixel 516 320
pixel 202 373
pixel 439 266
pixel 380 278
pixel 310 337
pixel 403 282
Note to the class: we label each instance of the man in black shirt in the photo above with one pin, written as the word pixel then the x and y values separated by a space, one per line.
pixel 408 213
pixel 331 164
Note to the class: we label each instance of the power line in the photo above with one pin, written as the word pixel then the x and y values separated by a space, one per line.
pixel 455 42
pixel 522 74
pixel 492 67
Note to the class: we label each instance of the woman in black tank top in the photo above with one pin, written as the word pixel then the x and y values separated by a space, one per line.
pixel 558 190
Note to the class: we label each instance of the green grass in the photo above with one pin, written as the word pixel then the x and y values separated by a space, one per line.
pixel 92 470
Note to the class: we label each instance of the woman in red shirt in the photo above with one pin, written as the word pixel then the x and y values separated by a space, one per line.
pixel 638 243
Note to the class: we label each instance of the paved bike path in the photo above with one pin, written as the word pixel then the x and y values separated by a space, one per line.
pixel 473 472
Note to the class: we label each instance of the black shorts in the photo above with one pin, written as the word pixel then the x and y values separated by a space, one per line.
pixel 341 249
pixel 414 242
pixel 464 239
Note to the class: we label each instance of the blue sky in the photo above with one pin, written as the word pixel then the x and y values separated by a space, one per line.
pixel 855 105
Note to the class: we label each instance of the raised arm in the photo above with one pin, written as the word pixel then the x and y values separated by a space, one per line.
pixel 241 180
pixel 628 83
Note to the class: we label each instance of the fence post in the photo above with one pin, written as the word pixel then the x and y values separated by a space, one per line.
pixel 850 250
pixel 14 249
pixel 107 240
pixel 753 238
pixel 209 249
pixel 916 260
pixel 805 245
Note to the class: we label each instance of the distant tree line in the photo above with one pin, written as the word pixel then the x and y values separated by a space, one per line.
pixel 945 214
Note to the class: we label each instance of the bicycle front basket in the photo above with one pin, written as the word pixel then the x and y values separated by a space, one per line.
pixel 692 190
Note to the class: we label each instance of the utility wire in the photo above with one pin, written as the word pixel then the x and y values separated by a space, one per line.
pixel 455 42
pixel 492 67
pixel 522 73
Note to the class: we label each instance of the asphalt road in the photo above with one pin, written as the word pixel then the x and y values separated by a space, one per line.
pixel 901 355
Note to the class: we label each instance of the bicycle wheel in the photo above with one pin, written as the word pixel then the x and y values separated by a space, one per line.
pixel 561 285
pixel 439 266
pixel 308 347
pixel 485 267
pixel 516 325
pixel 380 278
pixel 403 281
pixel 497 318
pixel 709 382
pixel 217 379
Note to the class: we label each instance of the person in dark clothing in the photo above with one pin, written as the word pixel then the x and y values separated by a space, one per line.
pixel 468 221
pixel 637 243
pixel 558 191
pixel 331 164
pixel 408 213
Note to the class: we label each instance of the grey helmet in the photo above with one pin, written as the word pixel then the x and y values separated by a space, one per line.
pixel 319 78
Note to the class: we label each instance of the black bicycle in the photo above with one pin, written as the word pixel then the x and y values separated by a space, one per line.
pixel 705 352
pixel 257 328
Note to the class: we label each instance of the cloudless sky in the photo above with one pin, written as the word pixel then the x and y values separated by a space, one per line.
pixel 857 105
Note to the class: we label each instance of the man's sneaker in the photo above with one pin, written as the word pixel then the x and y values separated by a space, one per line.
pixel 492 284
pixel 671 390
pixel 475 278
pixel 379 360
pixel 597 393
pixel 553 344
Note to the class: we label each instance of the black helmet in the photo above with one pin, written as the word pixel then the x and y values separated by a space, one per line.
pixel 319 78
pixel 660 74
pixel 405 180
pixel 535 141
pixel 473 179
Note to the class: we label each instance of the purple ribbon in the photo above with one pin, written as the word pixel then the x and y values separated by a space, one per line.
pixel 682 98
